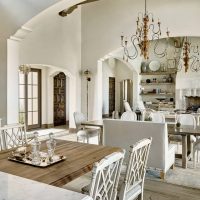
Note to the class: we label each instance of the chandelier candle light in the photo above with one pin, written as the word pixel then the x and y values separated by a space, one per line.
pixel 145 22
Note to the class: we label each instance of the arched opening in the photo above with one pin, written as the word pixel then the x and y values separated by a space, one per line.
pixel 113 69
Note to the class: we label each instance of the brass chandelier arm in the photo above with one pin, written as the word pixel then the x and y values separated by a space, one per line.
pixel 126 52
pixel 144 26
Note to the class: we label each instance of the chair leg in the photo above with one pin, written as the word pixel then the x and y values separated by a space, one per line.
pixel 162 175
pixel 197 155
pixel 172 167
pixel 87 139
pixel 194 158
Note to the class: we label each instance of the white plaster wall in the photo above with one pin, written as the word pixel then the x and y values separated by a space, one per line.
pixel 57 42
pixel 122 73
pixel 12 81
pixel 109 70
pixel 103 22
pixel 13 14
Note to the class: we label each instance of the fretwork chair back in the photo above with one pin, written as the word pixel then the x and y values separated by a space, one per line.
pixel 133 183
pixel 83 132
pixel 105 177
pixel 129 116
pixel 158 117
pixel 12 136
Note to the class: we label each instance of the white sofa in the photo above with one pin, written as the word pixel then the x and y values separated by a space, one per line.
pixel 125 133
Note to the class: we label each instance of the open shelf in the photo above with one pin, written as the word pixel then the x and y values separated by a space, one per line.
pixel 155 94
pixel 158 83
pixel 158 73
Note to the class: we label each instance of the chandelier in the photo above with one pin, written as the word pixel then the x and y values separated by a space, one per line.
pixel 145 26
pixel 190 56
pixel 24 69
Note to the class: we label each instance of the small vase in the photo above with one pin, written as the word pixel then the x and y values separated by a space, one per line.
pixel 144 67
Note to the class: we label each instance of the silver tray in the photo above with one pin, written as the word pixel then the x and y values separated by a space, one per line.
pixel 45 162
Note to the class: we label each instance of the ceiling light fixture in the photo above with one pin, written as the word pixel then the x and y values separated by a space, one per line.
pixel 145 26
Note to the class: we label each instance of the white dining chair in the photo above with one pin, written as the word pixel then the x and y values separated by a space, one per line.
pixel 105 177
pixel 158 117
pixel 13 135
pixel 84 133
pixel 132 186
pixel 184 119
pixel 127 106
pixel 196 150
pixel 146 114
pixel 129 116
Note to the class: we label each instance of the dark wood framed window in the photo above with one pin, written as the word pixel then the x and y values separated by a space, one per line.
pixel 30 99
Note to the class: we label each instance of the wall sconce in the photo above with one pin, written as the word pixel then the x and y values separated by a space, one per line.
pixel 24 69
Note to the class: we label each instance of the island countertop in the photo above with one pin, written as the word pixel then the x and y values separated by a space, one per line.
pixel 17 188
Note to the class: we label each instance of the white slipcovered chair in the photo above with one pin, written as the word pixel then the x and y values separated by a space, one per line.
pixel 12 136
pixel 133 181
pixel 124 133
pixel 158 117
pixel 83 132
pixel 105 177
pixel 129 116
pixel 127 106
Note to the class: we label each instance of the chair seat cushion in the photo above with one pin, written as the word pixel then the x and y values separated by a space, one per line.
pixel 133 192
pixel 92 130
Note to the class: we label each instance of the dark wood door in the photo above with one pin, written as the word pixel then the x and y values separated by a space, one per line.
pixel 111 95
pixel 60 99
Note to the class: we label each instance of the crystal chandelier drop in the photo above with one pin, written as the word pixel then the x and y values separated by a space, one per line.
pixel 24 69
pixel 145 27
pixel 190 56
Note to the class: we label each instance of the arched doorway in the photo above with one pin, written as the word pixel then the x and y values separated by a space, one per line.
pixel 59 99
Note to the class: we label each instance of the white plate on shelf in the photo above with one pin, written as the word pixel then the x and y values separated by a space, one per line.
pixel 154 65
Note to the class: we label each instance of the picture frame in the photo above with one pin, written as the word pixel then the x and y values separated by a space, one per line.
pixel 171 63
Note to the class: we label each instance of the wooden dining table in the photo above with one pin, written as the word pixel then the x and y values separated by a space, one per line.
pixel 185 131
pixel 80 158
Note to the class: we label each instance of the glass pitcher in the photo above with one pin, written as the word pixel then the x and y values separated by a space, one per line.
pixel 35 149
pixel 51 145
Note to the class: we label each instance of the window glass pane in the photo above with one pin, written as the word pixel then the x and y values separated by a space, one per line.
pixel 22 91
pixel 35 117
pixel 21 117
pixel 30 105
pixel 29 91
pixel 35 91
pixel 30 77
pixel 30 118
pixel 35 105
pixel 21 105
pixel 35 78
pixel 21 78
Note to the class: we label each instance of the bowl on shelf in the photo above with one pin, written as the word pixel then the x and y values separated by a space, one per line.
pixel 161 98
